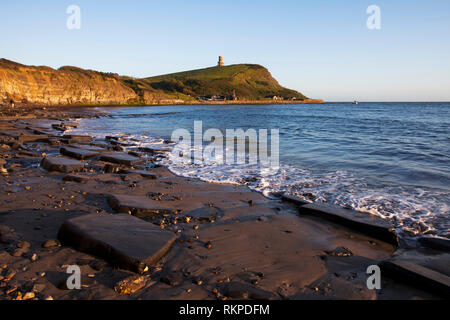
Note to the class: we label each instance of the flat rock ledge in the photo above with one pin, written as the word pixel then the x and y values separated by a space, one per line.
pixel 417 276
pixel 76 178
pixel 441 244
pixel 120 158
pixel 61 164
pixel 143 173
pixel 122 240
pixel 70 138
pixel 139 206
pixel 367 224
pixel 78 153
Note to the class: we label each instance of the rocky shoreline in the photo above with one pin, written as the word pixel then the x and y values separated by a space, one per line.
pixel 137 231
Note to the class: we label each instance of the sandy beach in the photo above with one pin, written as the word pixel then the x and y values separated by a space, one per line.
pixel 137 231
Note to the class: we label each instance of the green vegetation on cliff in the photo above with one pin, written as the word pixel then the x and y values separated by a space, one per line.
pixel 250 82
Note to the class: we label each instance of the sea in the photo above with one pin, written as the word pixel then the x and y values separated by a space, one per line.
pixel 387 159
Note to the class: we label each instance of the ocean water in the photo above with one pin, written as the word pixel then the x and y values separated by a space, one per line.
pixel 388 159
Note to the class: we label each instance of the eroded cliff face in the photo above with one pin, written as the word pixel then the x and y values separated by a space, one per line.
pixel 66 86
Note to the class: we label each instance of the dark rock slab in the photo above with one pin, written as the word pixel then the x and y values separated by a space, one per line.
pixel 77 138
pixel 143 173
pixel 156 149
pixel 7 235
pixel 32 138
pixel 243 291
pixel 78 153
pixel 88 147
pixel 76 178
pixel 61 164
pixel 123 240
pixel 174 278
pixel 441 244
pixel 112 168
pixel 368 224
pixel 28 153
pixel 294 199
pixel 205 214
pixel 120 158
pixel 100 144
pixel 139 206
pixel 417 276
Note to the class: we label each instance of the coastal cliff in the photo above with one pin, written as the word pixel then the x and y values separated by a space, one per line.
pixel 68 85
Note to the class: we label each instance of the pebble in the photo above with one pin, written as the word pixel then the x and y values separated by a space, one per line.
pixel 51 244
pixel 20 251
pixel 23 244
pixel 28 296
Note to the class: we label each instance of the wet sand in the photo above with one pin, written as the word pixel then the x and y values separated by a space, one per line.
pixel 231 242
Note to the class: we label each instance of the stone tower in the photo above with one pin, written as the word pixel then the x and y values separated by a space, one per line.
pixel 220 64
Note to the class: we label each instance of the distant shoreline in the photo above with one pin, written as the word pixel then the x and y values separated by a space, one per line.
pixel 21 106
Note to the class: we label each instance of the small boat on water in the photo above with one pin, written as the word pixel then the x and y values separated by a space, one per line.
pixel 355 102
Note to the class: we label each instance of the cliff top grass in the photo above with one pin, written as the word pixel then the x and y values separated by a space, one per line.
pixel 250 81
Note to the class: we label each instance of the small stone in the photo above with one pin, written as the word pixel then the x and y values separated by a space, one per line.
pixel 208 245
pixel 20 251
pixel 51 244
pixel 28 296
pixel 48 298
pixel 172 279
pixel 23 244
pixel 34 257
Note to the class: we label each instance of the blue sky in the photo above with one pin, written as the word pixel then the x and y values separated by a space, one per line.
pixel 321 48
